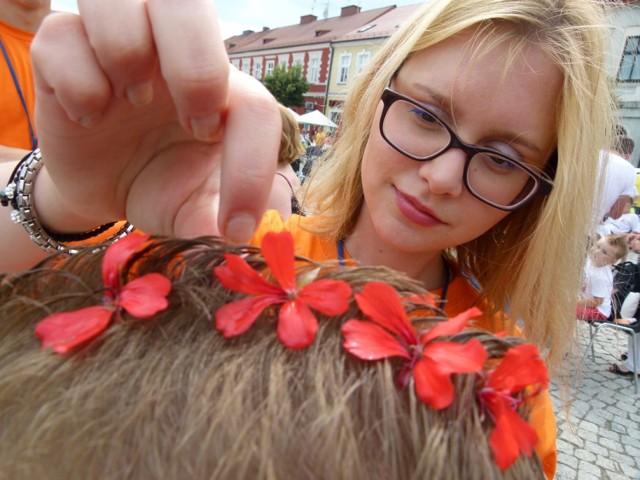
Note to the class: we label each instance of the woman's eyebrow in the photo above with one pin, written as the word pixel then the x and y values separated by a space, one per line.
pixel 445 101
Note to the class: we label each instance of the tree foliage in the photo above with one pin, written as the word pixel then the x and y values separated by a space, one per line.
pixel 287 85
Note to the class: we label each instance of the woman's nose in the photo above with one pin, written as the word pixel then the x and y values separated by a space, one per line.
pixel 444 173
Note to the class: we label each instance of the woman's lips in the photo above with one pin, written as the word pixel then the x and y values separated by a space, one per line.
pixel 416 212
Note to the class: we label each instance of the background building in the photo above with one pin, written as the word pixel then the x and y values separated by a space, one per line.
pixel 333 51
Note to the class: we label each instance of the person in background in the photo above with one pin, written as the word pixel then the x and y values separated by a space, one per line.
pixel 285 182
pixel 624 146
pixel 436 171
pixel 597 287
pixel 319 140
pixel 19 20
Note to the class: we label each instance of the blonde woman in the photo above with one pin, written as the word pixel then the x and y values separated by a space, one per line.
pixel 286 183
pixel 455 158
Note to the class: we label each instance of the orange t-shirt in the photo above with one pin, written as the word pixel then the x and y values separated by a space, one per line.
pixel 14 124
pixel 461 296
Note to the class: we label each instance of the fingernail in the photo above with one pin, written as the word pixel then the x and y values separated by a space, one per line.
pixel 205 128
pixel 240 228
pixel 139 94
pixel 89 120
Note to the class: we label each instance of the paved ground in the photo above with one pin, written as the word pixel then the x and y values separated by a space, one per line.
pixel 600 439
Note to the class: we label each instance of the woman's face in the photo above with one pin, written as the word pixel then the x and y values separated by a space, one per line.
pixel 414 206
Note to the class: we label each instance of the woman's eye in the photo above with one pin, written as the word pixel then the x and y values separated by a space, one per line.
pixel 424 116
pixel 501 163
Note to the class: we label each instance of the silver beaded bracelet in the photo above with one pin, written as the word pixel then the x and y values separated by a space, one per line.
pixel 19 194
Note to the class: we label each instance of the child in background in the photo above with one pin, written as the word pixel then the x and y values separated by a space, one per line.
pixel 597 288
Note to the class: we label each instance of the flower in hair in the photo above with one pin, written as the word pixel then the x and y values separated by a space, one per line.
pixel 520 375
pixel 390 334
pixel 141 297
pixel 297 325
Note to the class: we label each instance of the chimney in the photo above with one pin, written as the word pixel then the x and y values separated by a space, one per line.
pixel 247 32
pixel 265 29
pixel 350 10
pixel 307 19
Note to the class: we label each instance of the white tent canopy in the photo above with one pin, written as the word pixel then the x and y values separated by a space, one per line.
pixel 316 118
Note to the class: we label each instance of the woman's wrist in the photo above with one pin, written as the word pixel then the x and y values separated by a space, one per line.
pixel 20 194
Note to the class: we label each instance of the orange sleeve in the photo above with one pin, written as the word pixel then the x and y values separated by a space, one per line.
pixel 543 420
pixel 14 126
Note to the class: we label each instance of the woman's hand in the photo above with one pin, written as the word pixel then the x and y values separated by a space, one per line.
pixel 140 116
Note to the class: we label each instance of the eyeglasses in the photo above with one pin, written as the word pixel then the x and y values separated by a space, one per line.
pixel 497 180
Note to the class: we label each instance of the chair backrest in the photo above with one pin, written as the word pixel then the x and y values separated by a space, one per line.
pixel 626 279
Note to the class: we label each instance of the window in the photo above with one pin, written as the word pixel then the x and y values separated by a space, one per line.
pixel 362 61
pixel 630 63
pixel 236 63
pixel 270 65
pixel 283 60
pixel 257 68
pixel 313 72
pixel 246 66
pixel 298 59
pixel 345 64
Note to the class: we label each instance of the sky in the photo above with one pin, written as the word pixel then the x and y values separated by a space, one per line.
pixel 238 15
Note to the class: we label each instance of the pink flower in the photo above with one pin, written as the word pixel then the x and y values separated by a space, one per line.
pixel 391 334
pixel 297 325
pixel 142 298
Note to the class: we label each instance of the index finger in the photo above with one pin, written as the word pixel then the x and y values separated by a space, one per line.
pixel 193 61
pixel 252 133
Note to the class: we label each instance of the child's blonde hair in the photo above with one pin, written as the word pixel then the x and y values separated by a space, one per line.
pixel 619 244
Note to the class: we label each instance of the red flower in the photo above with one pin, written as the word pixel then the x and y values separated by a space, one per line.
pixel 503 392
pixel 142 298
pixel 297 325
pixel 392 335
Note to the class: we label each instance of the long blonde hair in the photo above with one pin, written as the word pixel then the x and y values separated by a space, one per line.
pixel 169 397
pixel 531 262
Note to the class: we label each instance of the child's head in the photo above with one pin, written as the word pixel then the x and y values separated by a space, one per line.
pixel 608 250
pixel 290 147
pixel 440 58
pixel 169 397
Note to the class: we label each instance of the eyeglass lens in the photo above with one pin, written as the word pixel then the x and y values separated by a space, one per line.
pixel 418 133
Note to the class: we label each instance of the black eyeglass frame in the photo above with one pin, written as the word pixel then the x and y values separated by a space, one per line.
pixel 543 185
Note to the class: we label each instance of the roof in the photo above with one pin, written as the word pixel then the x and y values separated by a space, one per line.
pixel 383 26
pixel 313 32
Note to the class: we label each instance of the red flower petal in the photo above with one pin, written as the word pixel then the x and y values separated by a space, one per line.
pixel 330 297
pixel 297 325
pixel 369 341
pixel 381 303
pixel 145 296
pixel 451 326
pixel 67 330
pixel 511 435
pixel 117 255
pixel 237 275
pixel 278 251
pixel 236 317
pixel 520 367
pixel 433 386
pixel 457 357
